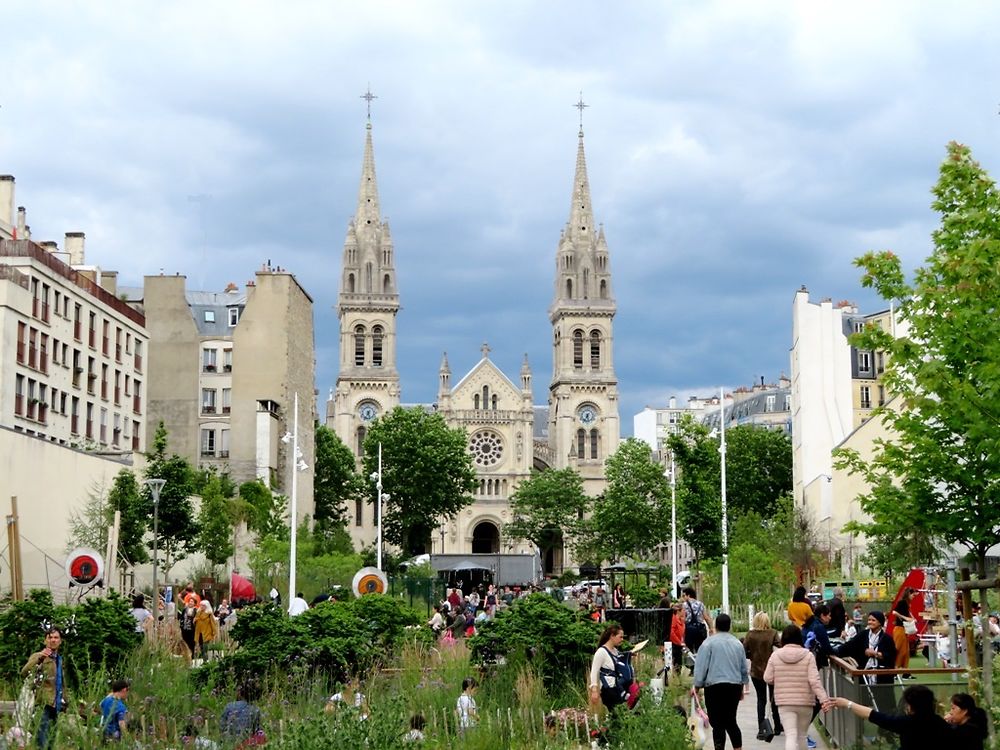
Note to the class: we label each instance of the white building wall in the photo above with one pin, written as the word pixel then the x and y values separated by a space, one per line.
pixel 821 398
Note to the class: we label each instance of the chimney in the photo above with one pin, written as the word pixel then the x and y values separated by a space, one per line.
pixel 74 246
pixel 23 232
pixel 109 280
pixel 673 402
pixel 6 199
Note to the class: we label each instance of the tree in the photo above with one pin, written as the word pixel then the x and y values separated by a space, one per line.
pixel 265 515
pixel 127 499
pixel 548 509
pixel 177 527
pixel 758 468
pixel 88 526
pixel 632 516
pixel 937 471
pixel 426 471
pixel 215 528
pixel 699 502
pixel 336 483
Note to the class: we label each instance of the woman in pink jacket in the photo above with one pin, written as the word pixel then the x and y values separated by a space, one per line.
pixel 792 670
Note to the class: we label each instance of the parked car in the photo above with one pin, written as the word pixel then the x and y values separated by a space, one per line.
pixel 589 585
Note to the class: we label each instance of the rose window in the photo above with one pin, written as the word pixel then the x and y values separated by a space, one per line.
pixel 486 447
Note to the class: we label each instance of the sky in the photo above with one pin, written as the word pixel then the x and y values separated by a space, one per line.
pixel 736 151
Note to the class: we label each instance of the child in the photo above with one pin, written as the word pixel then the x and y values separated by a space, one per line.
pixel 113 711
pixel 466 706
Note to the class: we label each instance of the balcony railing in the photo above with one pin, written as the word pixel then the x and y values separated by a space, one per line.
pixel 226 409
pixel 206 409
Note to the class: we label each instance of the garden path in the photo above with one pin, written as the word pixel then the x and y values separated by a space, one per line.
pixel 747 719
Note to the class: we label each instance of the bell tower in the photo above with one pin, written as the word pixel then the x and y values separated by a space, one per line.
pixel 584 425
pixel 368 381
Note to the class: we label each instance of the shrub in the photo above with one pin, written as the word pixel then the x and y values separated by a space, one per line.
pixel 558 643
pixel 643 597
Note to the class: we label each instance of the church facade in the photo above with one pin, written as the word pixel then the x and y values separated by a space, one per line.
pixel 509 435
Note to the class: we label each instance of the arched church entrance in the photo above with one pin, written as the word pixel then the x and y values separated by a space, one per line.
pixel 552 554
pixel 486 538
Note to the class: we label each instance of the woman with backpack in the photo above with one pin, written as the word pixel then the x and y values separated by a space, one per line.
pixel 610 674
pixel 697 623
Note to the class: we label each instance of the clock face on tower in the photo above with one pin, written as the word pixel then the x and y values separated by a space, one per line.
pixel 367 412
pixel 588 415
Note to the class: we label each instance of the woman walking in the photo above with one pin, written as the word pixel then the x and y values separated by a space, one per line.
pixel 901 616
pixel 609 671
pixel 793 672
pixel 759 644
pixel 799 608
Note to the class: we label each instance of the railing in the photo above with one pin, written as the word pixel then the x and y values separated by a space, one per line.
pixel 850 732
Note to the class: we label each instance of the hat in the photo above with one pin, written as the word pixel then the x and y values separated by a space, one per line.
pixel 878 616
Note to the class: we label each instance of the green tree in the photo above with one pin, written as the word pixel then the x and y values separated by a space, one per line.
pixel 177 527
pixel 426 471
pixel 943 369
pixel 548 509
pixel 88 525
pixel 127 499
pixel 336 483
pixel 758 468
pixel 265 511
pixel 632 517
pixel 699 501
pixel 215 529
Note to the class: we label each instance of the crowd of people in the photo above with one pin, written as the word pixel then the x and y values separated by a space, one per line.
pixel 458 614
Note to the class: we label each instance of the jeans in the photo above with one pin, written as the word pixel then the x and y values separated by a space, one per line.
pixel 721 703
pixel 46 735
pixel 764 691
pixel 796 724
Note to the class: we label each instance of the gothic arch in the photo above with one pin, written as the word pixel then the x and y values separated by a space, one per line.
pixel 486 537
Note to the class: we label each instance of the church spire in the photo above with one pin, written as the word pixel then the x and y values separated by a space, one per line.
pixel 581 214
pixel 367 213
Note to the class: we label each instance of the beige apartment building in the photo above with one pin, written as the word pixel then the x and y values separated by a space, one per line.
pixel 226 367
pixel 73 380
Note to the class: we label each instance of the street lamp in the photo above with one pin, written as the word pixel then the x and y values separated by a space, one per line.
pixel 725 510
pixel 298 464
pixel 381 497
pixel 155 487
pixel 673 526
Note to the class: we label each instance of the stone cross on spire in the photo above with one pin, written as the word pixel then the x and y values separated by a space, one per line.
pixel 368 96
pixel 485 349
pixel 581 106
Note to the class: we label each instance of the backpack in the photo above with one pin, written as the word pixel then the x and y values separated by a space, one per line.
pixel 615 683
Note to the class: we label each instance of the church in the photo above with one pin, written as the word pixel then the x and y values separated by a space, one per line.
pixel 509 436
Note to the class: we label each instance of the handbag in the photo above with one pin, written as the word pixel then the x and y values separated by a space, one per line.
pixel 701 735
pixel 766 731
pixel 910 627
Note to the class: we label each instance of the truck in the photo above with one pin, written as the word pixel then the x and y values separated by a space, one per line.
pixel 477 567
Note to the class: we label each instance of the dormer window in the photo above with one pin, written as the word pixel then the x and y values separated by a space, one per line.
pixel 234 316
pixel 209 316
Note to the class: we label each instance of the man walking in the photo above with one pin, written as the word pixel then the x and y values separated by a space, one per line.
pixel 721 669
pixel 46 667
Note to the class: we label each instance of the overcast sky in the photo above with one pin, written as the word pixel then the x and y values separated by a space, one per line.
pixel 736 151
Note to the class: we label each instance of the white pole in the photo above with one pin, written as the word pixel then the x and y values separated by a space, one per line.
pixel 725 512
pixel 378 500
pixel 295 508
pixel 673 527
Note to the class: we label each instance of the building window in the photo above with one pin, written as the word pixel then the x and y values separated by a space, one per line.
pixel 19 395
pixel 881 395
pixel 866 397
pixel 595 442
pixel 595 350
pixel 227 400
pixel 209 316
pixel 359 504
pixel 208 400
pixel 769 403
pixel 604 289
pixel 234 316
pixel 864 361
pixel 581 444
pixel 104 425
pixel 475 402
pixel 224 449
pixel 209 359
pixel 858 326
pixel 377 346
pixel 486 447
pixel 208 442
pixel 359 346
pixel 494 401
pixel 578 350
pixel 362 432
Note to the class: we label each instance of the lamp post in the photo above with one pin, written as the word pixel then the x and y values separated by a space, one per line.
pixel 298 464
pixel 379 498
pixel 155 487
pixel 673 527
pixel 725 510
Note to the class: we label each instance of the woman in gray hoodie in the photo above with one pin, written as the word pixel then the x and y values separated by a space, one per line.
pixel 793 672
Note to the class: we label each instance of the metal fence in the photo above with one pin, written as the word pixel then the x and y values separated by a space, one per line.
pixel 849 732
pixel 419 593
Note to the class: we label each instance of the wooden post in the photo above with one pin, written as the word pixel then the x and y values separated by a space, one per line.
pixel 14 550
pixel 970 632
pixel 111 555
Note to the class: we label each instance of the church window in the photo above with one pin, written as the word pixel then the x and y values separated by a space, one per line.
pixel 604 289
pixel 377 346
pixel 387 284
pixel 362 432
pixel 578 350
pixel 359 346
pixel 493 402
pixel 486 397
pixel 368 277
pixel 569 288
pixel 586 282
pixel 581 443
pixel 594 443
pixel 358 506
pixel 595 350
pixel 475 402
pixel 486 447
pixel 350 283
